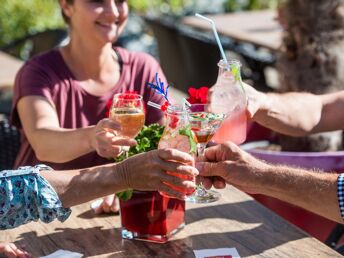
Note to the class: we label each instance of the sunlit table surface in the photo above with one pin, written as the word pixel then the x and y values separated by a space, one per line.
pixel 259 28
pixel 234 221
pixel 9 67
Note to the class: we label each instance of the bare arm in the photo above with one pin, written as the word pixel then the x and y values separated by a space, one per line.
pixel 41 126
pixel 296 113
pixel 48 139
pixel 79 186
pixel 314 191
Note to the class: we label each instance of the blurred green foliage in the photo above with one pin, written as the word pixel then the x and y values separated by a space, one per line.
pixel 22 17
pixel 239 5
pixel 165 6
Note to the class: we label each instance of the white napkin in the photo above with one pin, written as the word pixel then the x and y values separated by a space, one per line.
pixel 217 253
pixel 63 254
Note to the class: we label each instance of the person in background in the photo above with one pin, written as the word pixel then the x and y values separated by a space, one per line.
pixel 61 97
pixel 38 193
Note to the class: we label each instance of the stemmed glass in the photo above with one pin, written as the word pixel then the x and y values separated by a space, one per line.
pixel 127 109
pixel 204 124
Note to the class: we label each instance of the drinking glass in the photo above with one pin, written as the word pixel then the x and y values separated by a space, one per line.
pixel 177 135
pixel 127 109
pixel 204 124
pixel 155 216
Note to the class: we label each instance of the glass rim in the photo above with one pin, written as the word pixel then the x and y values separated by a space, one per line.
pixel 178 109
pixel 194 106
pixel 223 64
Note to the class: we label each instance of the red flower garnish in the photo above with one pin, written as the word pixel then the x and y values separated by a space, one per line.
pixel 164 106
pixel 109 102
pixel 198 96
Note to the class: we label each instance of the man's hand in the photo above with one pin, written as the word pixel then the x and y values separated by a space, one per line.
pixel 231 164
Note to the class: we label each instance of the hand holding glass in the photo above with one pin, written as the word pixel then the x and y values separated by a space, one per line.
pixel 127 110
pixel 204 124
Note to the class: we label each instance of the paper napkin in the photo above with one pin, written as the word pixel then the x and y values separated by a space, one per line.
pixel 217 253
pixel 63 254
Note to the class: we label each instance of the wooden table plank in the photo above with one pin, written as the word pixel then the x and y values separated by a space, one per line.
pixel 235 221
pixel 9 67
pixel 256 27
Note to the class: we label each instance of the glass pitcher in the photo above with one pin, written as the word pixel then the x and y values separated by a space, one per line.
pixel 228 98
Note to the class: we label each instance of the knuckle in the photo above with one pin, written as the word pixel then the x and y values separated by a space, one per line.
pixel 169 151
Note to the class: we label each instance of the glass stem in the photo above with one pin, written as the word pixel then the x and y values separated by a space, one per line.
pixel 200 190
pixel 200 149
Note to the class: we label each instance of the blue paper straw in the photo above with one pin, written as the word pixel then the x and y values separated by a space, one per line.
pixel 216 35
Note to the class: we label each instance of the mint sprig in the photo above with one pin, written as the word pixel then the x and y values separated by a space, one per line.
pixel 235 69
pixel 188 132
pixel 125 195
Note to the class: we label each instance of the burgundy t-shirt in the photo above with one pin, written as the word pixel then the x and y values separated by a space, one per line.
pixel 47 75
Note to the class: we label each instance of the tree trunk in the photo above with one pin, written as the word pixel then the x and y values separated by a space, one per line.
pixel 312 59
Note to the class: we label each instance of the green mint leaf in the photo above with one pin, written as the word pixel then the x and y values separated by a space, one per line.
pixel 125 195
pixel 188 132
pixel 235 69
pixel 147 139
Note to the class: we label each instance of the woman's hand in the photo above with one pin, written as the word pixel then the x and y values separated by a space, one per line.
pixel 106 142
pixel 10 250
pixel 148 172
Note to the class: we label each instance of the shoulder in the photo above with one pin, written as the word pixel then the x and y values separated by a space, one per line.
pixel 45 63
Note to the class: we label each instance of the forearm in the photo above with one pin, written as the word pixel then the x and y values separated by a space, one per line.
pixel 313 191
pixel 295 114
pixel 61 145
pixel 78 186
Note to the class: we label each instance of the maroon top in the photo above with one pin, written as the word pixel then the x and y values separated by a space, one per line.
pixel 48 75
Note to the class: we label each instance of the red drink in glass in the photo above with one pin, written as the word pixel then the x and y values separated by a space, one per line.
pixel 152 217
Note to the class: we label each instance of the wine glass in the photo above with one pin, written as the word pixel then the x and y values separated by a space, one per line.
pixel 204 124
pixel 127 110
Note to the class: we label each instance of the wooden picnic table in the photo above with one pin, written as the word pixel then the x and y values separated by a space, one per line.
pixel 259 28
pixel 9 67
pixel 235 221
